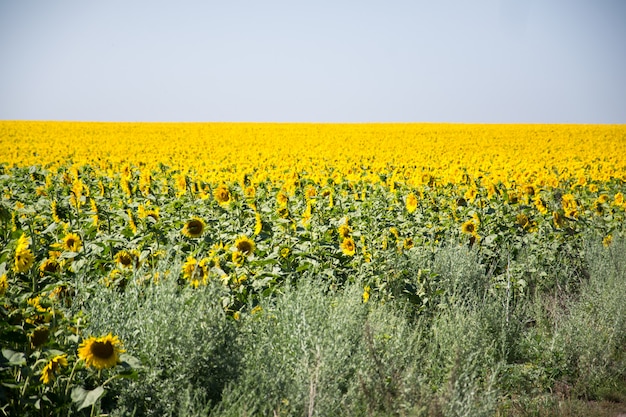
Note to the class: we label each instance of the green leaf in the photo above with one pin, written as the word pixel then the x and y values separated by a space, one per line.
pixel 129 361
pixel 84 398
pixel 14 358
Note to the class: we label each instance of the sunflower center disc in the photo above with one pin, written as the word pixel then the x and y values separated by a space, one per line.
pixel 103 350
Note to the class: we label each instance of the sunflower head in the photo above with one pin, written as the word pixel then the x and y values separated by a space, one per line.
pixel 124 258
pixel 24 259
pixel 366 293
pixel 310 192
pixel 284 252
pixel 522 220
pixel 250 191
pixel 348 247
pixel 195 270
pixel 244 245
pixel 281 198
pixel 411 203
pixel 468 227
pixel 48 372
pixel 39 336
pixel 540 204
pixel 344 231
pixel 558 219
pixel 23 243
pixel 238 257
pixel 283 212
pixel 4 284
pixel 101 352
pixel 194 228
pixel 49 266
pixel 528 189
pixel 72 242
pixel 222 195
pixel 258 224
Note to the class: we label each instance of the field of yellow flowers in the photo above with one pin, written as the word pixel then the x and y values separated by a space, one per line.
pixel 251 207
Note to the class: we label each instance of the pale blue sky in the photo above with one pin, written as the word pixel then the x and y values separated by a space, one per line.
pixel 486 61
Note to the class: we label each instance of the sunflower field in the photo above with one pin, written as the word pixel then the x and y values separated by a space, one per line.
pixel 311 269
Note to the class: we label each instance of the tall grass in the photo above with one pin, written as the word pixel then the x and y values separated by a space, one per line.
pixel 317 351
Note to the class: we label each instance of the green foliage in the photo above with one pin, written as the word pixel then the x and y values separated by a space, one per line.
pixel 416 316
pixel 183 338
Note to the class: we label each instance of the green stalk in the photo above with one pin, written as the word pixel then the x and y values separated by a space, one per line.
pixel 67 387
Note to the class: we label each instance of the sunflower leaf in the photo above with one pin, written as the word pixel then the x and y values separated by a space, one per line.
pixel 85 398
pixel 14 358
pixel 129 361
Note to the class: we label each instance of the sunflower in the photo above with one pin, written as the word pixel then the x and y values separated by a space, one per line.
pixel 195 270
pixel 146 211
pixel 101 352
pixel 72 242
pixel 59 215
pixel 258 224
pixel 522 220
pixel 115 278
pixel 282 198
pixel 222 195
pixel 469 227
pixel 23 243
pixel 23 260
pixel 344 231
pixel 284 252
pixel 597 207
pixel 124 258
pixel 194 228
pixel 528 189
pixel 49 266
pixel 4 284
pixel 310 192
pixel 570 207
pixel 411 203
pixel 348 247
pixel 244 245
pixel 558 219
pixel 283 212
pixel 237 258
pixel 540 204
pixel 181 183
pixel 250 191
pixel 39 336
pixel 47 374
pixel 470 194
pixel 131 221
pixel 366 293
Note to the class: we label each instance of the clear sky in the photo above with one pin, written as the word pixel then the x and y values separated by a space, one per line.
pixel 484 61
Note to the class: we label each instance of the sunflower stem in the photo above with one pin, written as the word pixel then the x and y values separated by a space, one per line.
pixel 33 274
pixel 69 381
pixel 110 379
pixel 25 386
